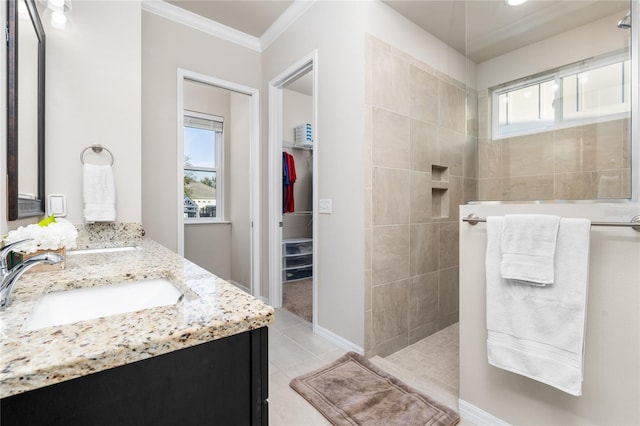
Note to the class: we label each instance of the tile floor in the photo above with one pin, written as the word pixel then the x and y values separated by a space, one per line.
pixel 430 365
pixel 434 358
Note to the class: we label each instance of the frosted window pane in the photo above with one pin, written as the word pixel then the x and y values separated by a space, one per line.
pixel 523 105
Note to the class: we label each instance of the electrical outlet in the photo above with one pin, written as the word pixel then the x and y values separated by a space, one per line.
pixel 57 205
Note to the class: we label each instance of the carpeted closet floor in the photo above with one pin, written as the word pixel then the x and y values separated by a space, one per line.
pixel 297 298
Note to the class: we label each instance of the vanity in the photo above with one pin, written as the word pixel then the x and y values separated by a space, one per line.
pixel 201 359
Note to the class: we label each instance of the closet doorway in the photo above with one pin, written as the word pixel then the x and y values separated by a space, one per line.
pixel 294 148
pixel 217 178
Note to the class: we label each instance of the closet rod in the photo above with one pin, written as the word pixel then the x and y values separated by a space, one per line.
pixel 474 219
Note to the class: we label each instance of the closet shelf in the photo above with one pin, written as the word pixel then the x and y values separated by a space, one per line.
pixel 291 145
pixel 299 213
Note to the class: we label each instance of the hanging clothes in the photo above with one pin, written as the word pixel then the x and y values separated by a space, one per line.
pixel 285 181
pixel 288 179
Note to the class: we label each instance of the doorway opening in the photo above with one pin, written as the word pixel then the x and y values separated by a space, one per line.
pixel 293 189
pixel 218 197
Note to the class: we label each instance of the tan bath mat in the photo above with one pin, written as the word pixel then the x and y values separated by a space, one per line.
pixel 352 391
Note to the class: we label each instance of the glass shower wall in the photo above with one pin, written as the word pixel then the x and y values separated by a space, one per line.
pixel 588 162
pixel 553 112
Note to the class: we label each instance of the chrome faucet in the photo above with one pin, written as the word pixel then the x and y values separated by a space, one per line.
pixel 10 276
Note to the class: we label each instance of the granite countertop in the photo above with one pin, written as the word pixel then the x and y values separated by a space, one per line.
pixel 211 309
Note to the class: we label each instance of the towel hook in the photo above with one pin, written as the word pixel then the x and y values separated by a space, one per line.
pixel 97 148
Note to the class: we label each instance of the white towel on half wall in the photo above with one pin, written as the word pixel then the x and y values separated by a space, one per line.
pixel 528 247
pixel 99 193
pixel 538 331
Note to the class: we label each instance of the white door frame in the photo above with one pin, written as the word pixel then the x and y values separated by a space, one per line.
pixel 254 164
pixel 307 63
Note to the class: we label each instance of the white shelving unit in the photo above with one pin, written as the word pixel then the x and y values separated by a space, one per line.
pixel 293 145
pixel 297 259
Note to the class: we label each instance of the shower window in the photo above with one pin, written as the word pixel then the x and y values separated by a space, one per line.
pixel 595 90
pixel 202 167
pixel 526 108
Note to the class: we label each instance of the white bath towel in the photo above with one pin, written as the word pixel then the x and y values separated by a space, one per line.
pixel 528 246
pixel 99 193
pixel 538 332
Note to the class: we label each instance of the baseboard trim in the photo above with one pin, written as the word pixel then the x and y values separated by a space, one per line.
pixel 476 416
pixel 337 340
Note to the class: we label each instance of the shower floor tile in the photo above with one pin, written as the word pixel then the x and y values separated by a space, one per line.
pixel 434 358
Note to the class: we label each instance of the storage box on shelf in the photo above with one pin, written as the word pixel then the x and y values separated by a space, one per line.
pixel 297 259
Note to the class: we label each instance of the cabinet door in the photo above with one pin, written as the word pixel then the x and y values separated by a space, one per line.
pixel 222 382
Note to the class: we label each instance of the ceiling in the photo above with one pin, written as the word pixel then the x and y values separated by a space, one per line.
pixel 491 27
pixel 252 17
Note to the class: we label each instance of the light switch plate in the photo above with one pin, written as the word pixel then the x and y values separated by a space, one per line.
pixel 324 206
pixel 57 205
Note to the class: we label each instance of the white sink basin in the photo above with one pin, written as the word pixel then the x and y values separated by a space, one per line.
pixel 102 250
pixel 65 307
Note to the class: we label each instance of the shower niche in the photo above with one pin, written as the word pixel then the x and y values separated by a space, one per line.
pixel 439 192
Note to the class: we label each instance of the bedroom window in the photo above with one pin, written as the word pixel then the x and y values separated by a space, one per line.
pixel 203 164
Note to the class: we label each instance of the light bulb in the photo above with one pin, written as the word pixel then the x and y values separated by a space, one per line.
pixel 58 20
pixel 515 2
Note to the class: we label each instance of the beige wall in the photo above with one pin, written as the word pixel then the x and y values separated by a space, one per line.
pixel 167 46
pixel 422 167
pixel 239 207
pixel 93 97
pixel 334 29
pixel 611 387
pixel 207 244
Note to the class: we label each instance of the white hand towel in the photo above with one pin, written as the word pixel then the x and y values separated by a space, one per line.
pixel 99 192
pixel 528 246
pixel 538 332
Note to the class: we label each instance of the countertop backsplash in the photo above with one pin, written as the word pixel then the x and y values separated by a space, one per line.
pixel 104 235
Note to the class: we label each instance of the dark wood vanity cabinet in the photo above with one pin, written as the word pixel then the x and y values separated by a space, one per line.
pixel 222 382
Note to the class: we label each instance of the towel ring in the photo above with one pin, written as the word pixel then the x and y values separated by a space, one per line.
pixel 97 148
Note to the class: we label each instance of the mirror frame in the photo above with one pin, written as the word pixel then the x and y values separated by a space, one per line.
pixel 23 207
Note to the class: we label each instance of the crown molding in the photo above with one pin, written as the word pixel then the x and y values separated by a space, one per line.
pixel 284 21
pixel 190 19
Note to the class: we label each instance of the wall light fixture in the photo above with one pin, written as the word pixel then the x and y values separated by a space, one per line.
pixel 60 11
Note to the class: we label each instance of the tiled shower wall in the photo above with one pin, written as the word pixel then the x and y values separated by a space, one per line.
pixel 420 165
pixel 579 163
